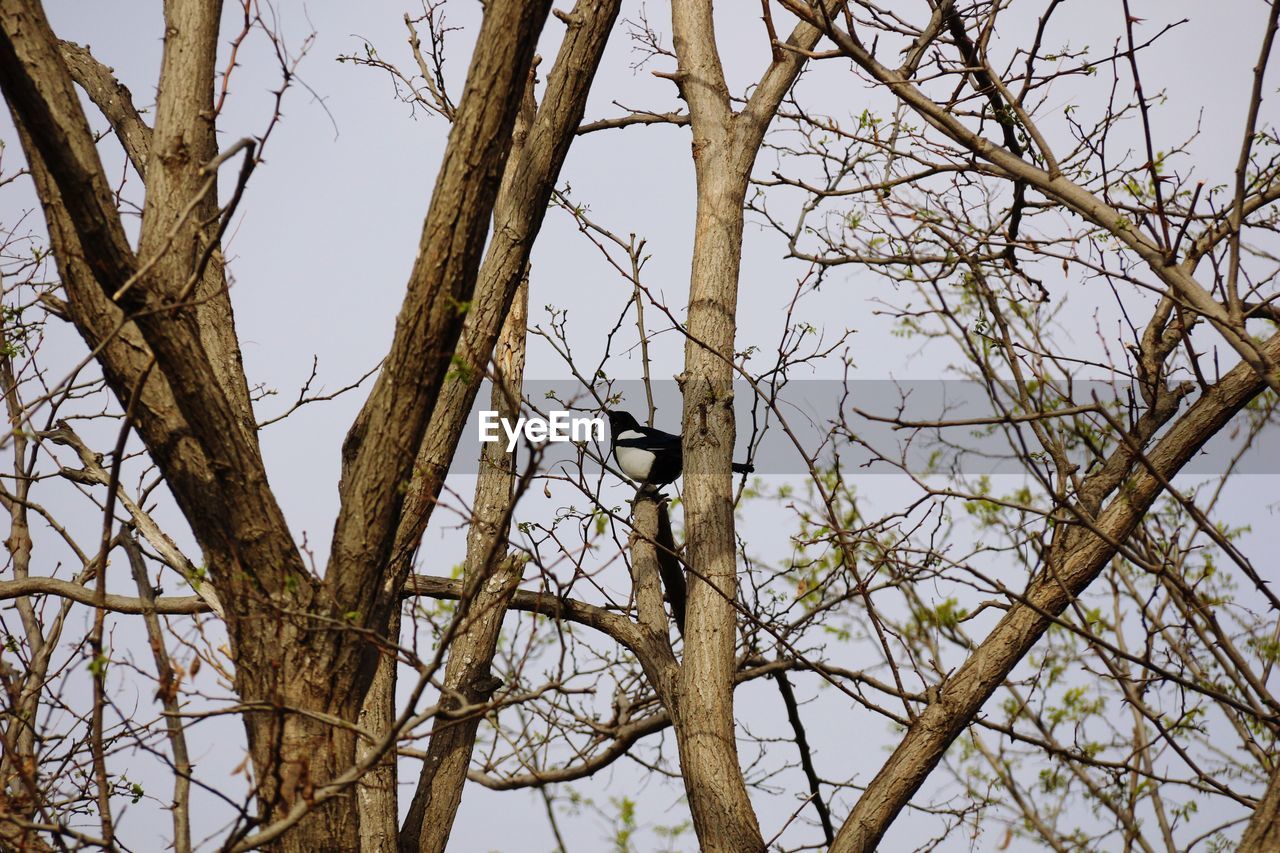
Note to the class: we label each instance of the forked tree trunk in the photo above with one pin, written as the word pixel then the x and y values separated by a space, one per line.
pixel 725 145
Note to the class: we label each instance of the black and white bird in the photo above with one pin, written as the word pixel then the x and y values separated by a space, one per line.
pixel 649 456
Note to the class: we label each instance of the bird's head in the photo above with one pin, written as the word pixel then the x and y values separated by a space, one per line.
pixel 620 421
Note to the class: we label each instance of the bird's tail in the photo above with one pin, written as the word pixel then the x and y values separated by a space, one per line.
pixel 743 468
pixel 669 567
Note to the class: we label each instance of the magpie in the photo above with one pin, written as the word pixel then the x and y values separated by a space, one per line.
pixel 649 456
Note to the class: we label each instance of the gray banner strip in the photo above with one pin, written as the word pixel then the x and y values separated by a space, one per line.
pixel 945 427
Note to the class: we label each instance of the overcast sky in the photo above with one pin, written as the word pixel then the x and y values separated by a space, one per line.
pixel 321 247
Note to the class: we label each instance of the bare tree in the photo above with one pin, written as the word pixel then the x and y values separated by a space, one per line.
pixel 1083 660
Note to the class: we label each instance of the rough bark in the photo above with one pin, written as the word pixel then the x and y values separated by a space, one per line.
pixel 377 796
pixel 491 576
pixel 198 433
pixel 183 141
pixel 40 93
pixel 121 351
pixel 652 643
pixel 1070 567
pixel 113 99
pixel 379 452
pixel 1263 832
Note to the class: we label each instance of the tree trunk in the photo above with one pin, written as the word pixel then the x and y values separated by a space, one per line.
pixel 377 795
pixel 1263 832
pixel 707 732
pixel 725 145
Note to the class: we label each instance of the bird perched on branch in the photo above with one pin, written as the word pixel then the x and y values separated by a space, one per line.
pixel 649 456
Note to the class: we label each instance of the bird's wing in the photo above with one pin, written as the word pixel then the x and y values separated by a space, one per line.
pixel 659 440
pixel 647 438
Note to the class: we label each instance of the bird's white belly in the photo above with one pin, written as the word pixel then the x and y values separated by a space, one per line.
pixel 635 462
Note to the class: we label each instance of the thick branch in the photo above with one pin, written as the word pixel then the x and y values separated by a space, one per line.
pixel 379 453
pixel 219 480
pixel 181 217
pixel 113 98
pixel 705 732
pixel 1068 572
pixel 1263 832
pixel 517 219
pixel 183 606
pixel 492 578
pixel 774 85
pixel 700 77
pixel 678 119
pixel 611 624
